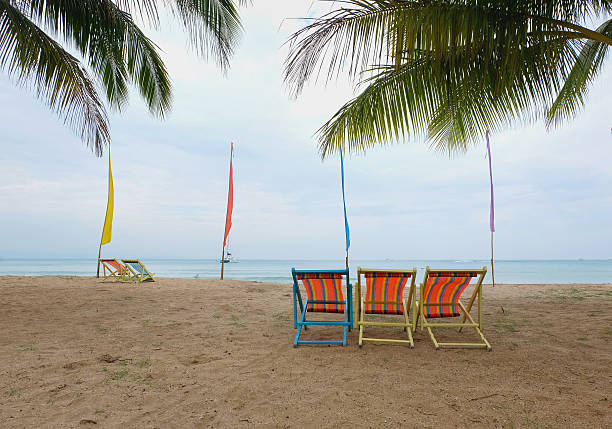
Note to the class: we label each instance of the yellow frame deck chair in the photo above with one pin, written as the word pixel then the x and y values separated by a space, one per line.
pixel 113 270
pixel 440 295
pixel 385 295
pixel 137 271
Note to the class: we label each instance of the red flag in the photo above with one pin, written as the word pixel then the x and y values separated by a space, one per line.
pixel 230 200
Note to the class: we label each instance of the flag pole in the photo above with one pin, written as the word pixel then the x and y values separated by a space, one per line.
pixel 492 266
pixel 222 261
pixel 99 254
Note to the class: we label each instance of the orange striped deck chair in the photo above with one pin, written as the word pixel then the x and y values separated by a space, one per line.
pixel 440 298
pixel 385 296
pixel 113 270
pixel 324 295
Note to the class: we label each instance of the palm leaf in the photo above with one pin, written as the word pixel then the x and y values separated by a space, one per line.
pixel 588 64
pixel 448 70
pixel 477 103
pixel 394 105
pixel 118 52
pixel 389 31
pixel 446 103
pixel 32 57
pixel 116 49
pixel 213 25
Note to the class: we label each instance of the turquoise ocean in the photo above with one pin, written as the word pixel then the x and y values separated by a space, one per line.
pixel 279 271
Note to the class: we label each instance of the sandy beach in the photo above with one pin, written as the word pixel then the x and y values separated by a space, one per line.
pixel 177 353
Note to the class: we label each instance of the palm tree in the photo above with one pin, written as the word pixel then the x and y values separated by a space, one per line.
pixel 449 70
pixel 35 36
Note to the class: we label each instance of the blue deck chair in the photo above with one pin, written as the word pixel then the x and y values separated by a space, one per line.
pixel 324 295
pixel 137 271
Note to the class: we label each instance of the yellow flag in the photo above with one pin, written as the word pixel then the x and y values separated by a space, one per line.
pixel 108 221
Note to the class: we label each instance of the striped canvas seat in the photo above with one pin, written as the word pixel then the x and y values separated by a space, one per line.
pixel 137 270
pixel 113 269
pixel 440 297
pixel 443 290
pixel 114 264
pixel 385 295
pixel 136 267
pixel 385 286
pixel 323 295
pixel 323 287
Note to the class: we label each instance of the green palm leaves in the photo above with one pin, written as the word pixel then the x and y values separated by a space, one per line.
pixel 586 66
pixel 118 54
pixel 450 69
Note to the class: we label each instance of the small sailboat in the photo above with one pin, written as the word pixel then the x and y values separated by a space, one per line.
pixel 227 258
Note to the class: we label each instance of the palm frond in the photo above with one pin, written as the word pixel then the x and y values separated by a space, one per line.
pixel 116 49
pixel 392 31
pixel 33 58
pixel 146 9
pixel 395 105
pixel 385 31
pixel 586 67
pixel 349 38
pixel 451 102
pixel 447 69
pixel 213 25
pixel 476 102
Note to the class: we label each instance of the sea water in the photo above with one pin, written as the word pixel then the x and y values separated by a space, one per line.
pixel 279 271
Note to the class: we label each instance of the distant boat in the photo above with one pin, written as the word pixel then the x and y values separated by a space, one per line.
pixel 228 258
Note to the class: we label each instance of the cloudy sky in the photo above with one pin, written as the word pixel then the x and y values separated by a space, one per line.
pixel 553 189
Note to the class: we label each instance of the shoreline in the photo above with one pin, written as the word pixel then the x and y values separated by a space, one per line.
pixel 259 282
pixel 275 271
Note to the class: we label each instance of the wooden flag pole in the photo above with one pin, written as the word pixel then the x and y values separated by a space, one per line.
pixel 347 260
pixel 492 266
pixel 99 254
pixel 222 261
pixel 100 248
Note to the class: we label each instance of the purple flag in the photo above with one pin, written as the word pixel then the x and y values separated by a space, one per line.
pixel 492 211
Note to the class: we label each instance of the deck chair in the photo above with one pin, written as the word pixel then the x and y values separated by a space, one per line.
pixel 324 295
pixel 137 271
pixel 113 270
pixel 385 295
pixel 440 298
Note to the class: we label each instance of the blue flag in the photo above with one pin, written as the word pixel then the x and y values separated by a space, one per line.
pixel 346 225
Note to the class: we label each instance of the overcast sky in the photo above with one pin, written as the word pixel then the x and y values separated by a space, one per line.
pixel 553 189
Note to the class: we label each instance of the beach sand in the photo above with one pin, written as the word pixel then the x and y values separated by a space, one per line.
pixel 182 353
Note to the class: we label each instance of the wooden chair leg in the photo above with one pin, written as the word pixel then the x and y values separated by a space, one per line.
pixel 478 331
pixel 433 338
pixel 408 328
pixel 484 340
pixel 361 319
